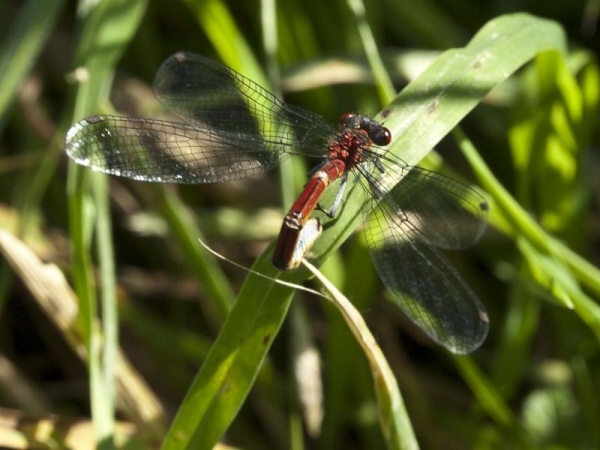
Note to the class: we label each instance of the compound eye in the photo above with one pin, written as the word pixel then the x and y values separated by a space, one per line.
pixel 350 120
pixel 382 137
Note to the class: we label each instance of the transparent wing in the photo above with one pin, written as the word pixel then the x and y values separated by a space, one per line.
pixel 446 212
pixel 233 129
pixel 206 93
pixel 421 212
pixel 167 152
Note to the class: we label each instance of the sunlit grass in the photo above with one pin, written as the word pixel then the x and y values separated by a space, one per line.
pixel 532 271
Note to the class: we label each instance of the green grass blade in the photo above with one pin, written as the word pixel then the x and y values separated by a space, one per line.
pixel 382 79
pixel 485 391
pixel 393 418
pixel 431 106
pixel 203 265
pixel 232 364
pixel 24 44
pixel 105 33
pixel 556 259
pixel 219 25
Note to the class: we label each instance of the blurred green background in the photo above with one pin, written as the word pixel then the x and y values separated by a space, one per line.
pixel 533 384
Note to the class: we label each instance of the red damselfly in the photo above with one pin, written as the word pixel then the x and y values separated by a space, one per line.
pixel 233 128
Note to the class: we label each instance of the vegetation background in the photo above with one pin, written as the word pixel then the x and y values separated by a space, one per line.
pixel 533 384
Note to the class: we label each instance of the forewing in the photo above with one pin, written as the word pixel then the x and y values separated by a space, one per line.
pixel 168 152
pixel 233 129
pixel 445 212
